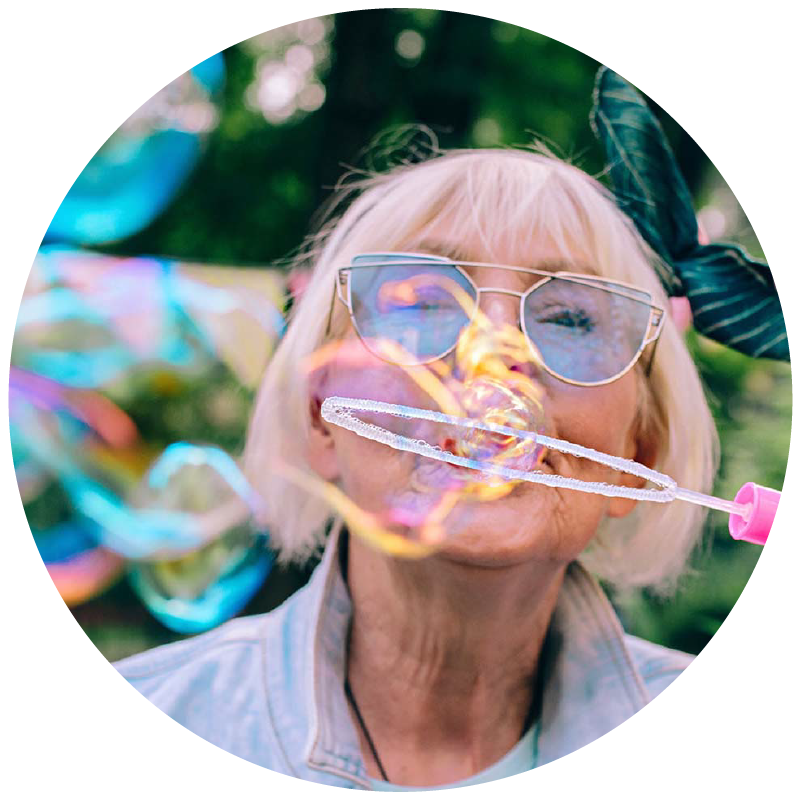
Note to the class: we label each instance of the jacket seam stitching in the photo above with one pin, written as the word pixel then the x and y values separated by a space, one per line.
pixel 270 711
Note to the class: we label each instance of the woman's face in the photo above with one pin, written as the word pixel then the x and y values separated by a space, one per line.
pixel 486 526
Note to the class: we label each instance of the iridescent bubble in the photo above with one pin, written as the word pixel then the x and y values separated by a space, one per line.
pixel 497 403
pixel 144 163
pixel 91 321
pixel 193 590
pixel 87 321
pixel 487 380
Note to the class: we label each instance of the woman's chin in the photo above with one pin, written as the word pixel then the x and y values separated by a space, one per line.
pixel 521 527
pixel 484 557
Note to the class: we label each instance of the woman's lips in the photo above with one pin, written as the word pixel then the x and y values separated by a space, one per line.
pixel 501 451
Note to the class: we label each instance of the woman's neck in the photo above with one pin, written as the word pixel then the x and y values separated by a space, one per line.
pixel 443 659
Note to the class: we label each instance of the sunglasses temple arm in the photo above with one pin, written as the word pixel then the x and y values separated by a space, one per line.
pixel 654 339
pixel 331 311
pixel 651 359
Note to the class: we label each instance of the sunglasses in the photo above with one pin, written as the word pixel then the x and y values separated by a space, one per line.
pixel 583 330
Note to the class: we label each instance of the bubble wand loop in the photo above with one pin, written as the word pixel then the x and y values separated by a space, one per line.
pixel 750 514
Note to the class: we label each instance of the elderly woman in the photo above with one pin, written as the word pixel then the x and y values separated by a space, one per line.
pixel 492 650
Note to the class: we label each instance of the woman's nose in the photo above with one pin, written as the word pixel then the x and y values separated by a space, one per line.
pixel 500 308
pixel 494 343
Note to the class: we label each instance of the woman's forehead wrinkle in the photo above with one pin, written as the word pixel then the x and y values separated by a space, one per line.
pixel 443 248
pixel 458 252
pixel 542 256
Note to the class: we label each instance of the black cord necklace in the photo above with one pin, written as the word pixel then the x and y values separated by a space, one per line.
pixel 362 724
pixel 343 565
pixel 532 714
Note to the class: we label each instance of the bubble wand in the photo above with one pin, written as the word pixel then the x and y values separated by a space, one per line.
pixel 751 513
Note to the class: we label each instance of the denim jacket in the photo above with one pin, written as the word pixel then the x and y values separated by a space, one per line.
pixel 269 688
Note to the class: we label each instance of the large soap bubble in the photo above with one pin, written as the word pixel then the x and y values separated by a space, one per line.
pixel 97 334
pixel 489 378
pixel 143 164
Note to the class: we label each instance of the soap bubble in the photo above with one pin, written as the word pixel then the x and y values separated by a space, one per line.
pixel 491 376
pixel 91 321
pixel 191 589
pixel 497 403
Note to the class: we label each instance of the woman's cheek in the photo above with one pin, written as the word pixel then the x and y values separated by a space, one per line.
pixel 371 474
pixel 600 417
pixel 356 374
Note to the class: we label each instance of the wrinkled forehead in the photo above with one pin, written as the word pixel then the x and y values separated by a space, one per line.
pixel 543 255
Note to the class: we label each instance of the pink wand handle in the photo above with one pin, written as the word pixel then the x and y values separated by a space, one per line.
pixel 755 527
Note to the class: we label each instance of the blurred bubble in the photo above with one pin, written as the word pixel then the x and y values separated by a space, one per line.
pixel 491 443
pixel 91 327
pixel 21 477
pixel 87 320
pixel 143 164
pixel 194 590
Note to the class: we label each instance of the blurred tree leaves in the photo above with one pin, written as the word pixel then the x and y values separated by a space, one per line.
pixel 476 82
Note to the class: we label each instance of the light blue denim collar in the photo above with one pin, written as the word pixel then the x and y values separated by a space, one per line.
pixel 591 683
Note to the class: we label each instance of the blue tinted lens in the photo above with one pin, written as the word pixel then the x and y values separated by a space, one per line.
pixel 584 332
pixel 421 305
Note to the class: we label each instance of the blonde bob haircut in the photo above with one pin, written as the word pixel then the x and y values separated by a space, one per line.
pixel 501 201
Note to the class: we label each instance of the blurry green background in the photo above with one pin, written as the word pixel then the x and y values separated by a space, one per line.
pixel 301 103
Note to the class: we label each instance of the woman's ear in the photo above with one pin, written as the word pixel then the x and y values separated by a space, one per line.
pixel 644 449
pixel 321 449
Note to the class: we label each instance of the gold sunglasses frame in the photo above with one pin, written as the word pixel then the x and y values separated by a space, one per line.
pixel 651 334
